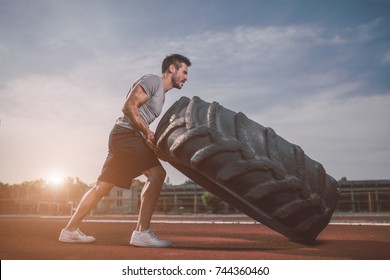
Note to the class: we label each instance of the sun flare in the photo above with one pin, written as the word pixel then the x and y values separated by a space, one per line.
pixel 55 179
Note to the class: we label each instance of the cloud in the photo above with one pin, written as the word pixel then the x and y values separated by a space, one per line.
pixel 386 58
pixel 369 31
pixel 342 134
pixel 273 64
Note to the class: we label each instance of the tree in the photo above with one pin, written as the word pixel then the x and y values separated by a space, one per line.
pixel 211 202
pixel 343 179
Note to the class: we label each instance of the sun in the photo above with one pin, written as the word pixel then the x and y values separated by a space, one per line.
pixel 56 179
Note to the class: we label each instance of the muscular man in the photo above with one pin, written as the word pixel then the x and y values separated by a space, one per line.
pixel 132 152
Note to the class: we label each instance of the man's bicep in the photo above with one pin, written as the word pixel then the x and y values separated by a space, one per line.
pixel 137 96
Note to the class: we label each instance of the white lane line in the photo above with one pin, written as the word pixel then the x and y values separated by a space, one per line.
pixel 228 222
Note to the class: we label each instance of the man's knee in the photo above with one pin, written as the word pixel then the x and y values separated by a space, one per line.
pixel 157 173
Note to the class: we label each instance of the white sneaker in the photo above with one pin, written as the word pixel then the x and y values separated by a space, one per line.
pixel 148 238
pixel 75 237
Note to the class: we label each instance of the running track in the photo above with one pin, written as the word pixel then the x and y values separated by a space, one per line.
pixel 194 238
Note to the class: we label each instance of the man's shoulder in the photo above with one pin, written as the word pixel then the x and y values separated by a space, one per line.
pixel 151 84
pixel 151 78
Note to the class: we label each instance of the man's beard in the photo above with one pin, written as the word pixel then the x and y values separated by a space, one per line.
pixel 176 84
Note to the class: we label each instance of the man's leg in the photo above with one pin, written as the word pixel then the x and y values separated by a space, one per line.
pixel 149 196
pixel 87 203
pixel 71 233
pixel 143 236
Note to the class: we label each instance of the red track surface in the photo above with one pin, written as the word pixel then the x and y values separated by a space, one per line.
pixel 35 238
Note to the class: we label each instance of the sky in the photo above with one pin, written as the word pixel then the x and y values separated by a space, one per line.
pixel 317 72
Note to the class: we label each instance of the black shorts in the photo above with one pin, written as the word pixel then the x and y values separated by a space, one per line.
pixel 128 157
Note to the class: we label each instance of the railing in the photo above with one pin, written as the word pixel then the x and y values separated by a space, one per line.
pixel 352 199
pixel 364 201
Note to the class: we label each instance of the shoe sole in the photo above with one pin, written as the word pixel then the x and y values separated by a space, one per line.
pixel 148 245
pixel 75 241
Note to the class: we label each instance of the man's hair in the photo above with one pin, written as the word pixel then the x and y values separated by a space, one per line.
pixel 176 60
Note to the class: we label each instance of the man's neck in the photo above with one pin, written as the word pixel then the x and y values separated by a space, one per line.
pixel 167 84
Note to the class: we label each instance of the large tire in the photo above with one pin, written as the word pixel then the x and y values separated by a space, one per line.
pixel 248 166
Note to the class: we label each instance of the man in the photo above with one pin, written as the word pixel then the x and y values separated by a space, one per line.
pixel 132 152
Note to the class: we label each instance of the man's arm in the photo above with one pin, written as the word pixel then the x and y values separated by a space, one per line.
pixel 137 98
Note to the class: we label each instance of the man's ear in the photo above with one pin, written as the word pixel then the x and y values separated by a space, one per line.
pixel 172 68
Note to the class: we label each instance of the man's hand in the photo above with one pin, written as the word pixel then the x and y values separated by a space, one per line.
pixel 150 141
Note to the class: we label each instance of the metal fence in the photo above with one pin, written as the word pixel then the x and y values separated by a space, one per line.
pixel 364 202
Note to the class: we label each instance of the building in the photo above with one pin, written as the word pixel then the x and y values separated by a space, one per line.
pixel 120 201
pixel 174 199
pixel 364 196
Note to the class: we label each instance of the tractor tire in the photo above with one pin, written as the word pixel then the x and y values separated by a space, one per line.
pixel 248 166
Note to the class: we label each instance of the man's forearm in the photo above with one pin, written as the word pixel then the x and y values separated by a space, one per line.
pixel 133 115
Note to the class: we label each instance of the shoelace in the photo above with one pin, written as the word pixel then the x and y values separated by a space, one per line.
pixel 153 235
pixel 80 232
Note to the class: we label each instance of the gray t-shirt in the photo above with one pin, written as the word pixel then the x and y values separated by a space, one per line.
pixel 153 86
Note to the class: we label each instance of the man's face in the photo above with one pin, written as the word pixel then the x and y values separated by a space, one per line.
pixel 180 76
